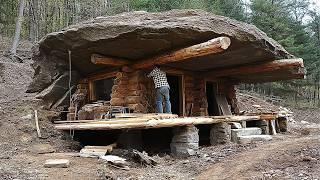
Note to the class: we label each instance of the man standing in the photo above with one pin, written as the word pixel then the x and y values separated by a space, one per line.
pixel 162 90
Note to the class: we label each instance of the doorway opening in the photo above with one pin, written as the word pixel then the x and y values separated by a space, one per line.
pixel 213 110
pixel 176 99
pixel 103 89
pixel 211 91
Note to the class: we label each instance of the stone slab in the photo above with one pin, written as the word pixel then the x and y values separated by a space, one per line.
pixel 42 149
pixel 235 133
pixel 92 152
pixel 253 138
pixel 57 163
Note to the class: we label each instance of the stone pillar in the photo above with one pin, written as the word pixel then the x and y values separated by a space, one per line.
pixel 71 114
pixel 119 89
pixel 80 98
pixel 185 141
pixel 220 133
pixel 135 98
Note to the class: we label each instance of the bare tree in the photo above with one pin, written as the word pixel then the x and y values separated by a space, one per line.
pixel 33 20
pixel 15 43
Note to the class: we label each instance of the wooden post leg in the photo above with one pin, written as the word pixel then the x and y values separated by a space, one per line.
pixel 244 124
pixel 272 126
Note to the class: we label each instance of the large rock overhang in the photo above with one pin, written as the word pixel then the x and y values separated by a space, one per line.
pixel 138 35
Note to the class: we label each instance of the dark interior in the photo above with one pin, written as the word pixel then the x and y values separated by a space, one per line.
pixel 175 93
pixel 213 110
pixel 152 140
pixel 211 91
pixel 103 89
pixel 204 134
pixel 157 140
pixel 96 138
pixel 251 123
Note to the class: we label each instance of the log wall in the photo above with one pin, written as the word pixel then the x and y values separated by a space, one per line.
pixel 189 94
pixel 135 90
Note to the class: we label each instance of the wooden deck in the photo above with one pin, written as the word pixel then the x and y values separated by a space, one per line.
pixel 147 121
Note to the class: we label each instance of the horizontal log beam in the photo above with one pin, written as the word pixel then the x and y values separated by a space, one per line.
pixel 110 61
pixel 171 122
pixel 213 46
pixel 276 65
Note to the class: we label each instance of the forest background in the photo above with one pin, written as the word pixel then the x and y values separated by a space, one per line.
pixel 295 24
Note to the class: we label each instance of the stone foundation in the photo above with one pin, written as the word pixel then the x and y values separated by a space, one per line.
pixel 185 141
pixel 220 133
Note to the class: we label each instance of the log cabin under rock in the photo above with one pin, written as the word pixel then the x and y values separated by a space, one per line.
pixel 205 56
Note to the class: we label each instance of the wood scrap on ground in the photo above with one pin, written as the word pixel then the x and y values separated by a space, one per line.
pixel 37 123
pixel 116 161
pixel 143 158
pixel 96 151
pixel 57 163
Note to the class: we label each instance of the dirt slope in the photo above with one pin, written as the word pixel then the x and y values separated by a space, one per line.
pixel 290 158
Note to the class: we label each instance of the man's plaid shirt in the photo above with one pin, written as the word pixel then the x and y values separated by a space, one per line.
pixel 159 78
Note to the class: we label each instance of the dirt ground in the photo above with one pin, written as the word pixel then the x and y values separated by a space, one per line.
pixel 294 155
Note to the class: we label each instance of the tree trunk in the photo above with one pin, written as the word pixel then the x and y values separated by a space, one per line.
pixel 33 15
pixel 18 29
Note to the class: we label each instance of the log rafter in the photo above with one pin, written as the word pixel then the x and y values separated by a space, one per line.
pixel 212 46
pixel 284 64
pixel 111 61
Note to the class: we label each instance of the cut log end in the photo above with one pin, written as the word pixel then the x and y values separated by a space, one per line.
pixel 110 61
pixel 225 42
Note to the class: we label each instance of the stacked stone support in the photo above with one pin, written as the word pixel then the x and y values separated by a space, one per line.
pixel 136 98
pixel 185 141
pixel 119 89
pixel 220 133
pixel 79 98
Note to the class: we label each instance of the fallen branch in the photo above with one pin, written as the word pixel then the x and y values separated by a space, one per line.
pixel 143 158
pixel 37 123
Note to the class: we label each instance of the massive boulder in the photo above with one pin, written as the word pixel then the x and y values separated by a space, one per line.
pixel 137 35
